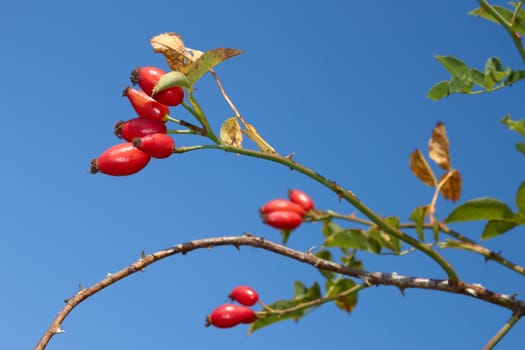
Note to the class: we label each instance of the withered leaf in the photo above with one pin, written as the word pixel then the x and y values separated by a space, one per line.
pixel 261 143
pixel 451 188
pixel 208 60
pixel 438 147
pixel 420 168
pixel 231 132
pixel 178 56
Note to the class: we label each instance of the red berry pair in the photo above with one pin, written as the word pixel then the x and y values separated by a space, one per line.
pixel 287 214
pixel 231 315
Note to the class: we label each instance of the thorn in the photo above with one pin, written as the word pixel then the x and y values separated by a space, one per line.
pixel 402 290
pixel 142 255
pixel 59 330
pixel 80 288
pixel 310 250
pixel 109 274
pixel 248 234
pixel 237 247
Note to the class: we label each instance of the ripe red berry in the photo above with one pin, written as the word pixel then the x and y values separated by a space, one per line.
pixel 145 106
pixel 283 220
pixel 244 295
pixel 138 127
pixel 148 77
pixel 119 160
pixel 280 204
pixel 301 198
pixel 230 315
pixel 156 145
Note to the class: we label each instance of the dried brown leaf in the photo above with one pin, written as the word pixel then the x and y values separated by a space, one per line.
pixel 420 168
pixel 451 188
pixel 178 56
pixel 231 132
pixel 438 146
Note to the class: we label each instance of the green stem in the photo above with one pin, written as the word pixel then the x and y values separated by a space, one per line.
pixel 342 193
pixel 201 117
pixel 503 331
pixel 516 12
pixel 508 26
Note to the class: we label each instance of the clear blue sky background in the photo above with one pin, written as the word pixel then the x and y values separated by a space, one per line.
pixel 341 83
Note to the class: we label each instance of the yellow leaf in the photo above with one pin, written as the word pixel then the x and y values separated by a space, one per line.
pixel 420 168
pixel 438 147
pixel 172 47
pixel 231 132
pixel 451 188
pixel 253 135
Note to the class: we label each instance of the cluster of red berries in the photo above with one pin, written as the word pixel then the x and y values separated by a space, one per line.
pixel 231 315
pixel 287 214
pixel 145 135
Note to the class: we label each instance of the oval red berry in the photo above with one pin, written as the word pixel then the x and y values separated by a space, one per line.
pixel 156 145
pixel 244 295
pixel 138 127
pixel 230 315
pixel 280 204
pixel 120 160
pixel 301 198
pixel 145 106
pixel 148 77
pixel 283 220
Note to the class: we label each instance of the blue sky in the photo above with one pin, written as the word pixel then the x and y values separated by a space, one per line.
pixel 341 84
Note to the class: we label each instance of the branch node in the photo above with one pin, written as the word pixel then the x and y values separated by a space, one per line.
pixel 471 291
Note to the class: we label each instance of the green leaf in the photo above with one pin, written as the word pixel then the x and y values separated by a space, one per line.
pixel 350 260
pixel 495 228
pixel 353 238
pixel 418 217
pixel 515 125
pixel 504 12
pixel 478 77
pixel 520 146
pixel 456 86
pixel 520 198
pixel 460 72
pixel 329 228
pixel 346 302
pixel 171 79
pixel 285 235
pixel 325 255
pixel 207 61
pixel 481 209
pixel 515 76
pixel 493 72
pixel 438 91
pixel 299 290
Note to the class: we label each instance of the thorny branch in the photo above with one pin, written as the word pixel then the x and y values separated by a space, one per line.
pixel 371 278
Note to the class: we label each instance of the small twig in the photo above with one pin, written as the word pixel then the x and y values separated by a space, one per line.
pixel 508 26
pixel 308 304
pixel 503 331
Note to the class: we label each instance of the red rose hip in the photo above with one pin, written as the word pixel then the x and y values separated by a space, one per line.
pixel 148 77
pixel 145 106
pixel 244 295
pixel 156 145
pixel 230 315
pixel 120 160
pixel 283 220
pixel 138 127
pixel 280 204
pixel 301 198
